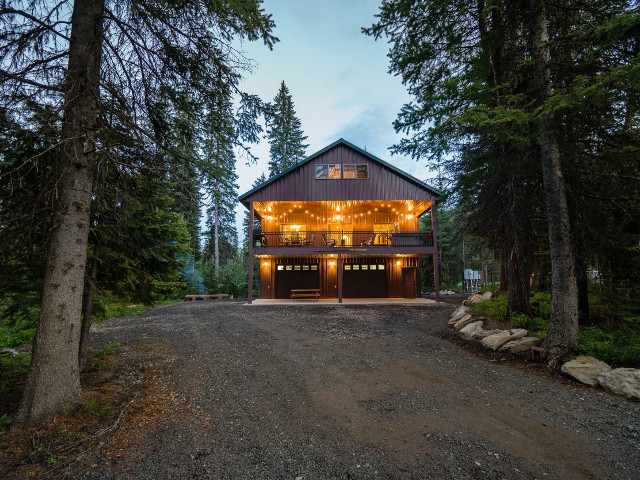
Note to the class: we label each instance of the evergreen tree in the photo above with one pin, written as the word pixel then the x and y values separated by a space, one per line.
pixel 101 63
pixel 284 131
pixel 500 88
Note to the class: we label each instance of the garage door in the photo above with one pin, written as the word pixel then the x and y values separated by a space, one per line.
pixel 364 281
pixel 290 276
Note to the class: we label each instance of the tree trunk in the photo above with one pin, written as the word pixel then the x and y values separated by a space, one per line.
pixel 563 324
pixel 216 229
pixel 53 382
pixel 87 314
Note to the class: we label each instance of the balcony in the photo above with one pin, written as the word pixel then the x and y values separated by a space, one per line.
pixel 305 242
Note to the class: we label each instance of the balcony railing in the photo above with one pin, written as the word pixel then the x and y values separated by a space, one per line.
pixel 342 238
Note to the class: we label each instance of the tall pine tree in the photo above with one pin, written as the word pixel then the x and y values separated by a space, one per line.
pixel 284 131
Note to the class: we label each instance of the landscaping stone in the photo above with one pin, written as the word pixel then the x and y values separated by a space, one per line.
pixel 487 295
pixel 467 332
pixel 621 381
pixel 458 314
pixel 480 334
pixel 494 342
pixel 585 369
pixel 463 322
pixel 523 344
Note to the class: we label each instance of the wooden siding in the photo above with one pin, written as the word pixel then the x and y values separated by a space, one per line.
pixel 301 185
pixel 328 267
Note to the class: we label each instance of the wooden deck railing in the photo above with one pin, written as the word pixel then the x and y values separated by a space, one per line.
pixel 342 238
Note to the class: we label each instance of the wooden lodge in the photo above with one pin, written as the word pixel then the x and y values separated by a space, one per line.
pixel 341 224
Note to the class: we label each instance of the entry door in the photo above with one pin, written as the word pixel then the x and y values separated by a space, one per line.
pixel 409 282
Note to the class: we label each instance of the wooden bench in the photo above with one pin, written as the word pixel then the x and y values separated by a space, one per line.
pixel 305 293
pixel 214 296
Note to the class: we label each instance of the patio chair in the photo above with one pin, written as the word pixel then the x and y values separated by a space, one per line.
pixel 329 242
pixel 310 239
pixel 369 241
pixel 286 241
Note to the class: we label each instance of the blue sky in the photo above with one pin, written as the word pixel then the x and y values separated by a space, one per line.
pixel 336 75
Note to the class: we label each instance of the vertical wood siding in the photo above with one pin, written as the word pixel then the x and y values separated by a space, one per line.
pixel 300 184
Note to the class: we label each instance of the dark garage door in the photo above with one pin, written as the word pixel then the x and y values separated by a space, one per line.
pixel 288 276
pixel 364 281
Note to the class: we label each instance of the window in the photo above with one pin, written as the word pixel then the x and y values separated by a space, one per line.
pixel 296 267
pixel 380 267
pixel 305 267
pixel 331 171
pixel 289 267
pixel 348 171
pixel 356 267
pixel 372 267
pixel 314 267
pixel 362 171
pixel 280 267
pixel 347 267
pixel 365 267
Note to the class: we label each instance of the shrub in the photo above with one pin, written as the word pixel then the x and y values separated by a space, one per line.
pixel 619 347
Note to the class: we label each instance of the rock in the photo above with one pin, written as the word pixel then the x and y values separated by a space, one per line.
pixel 487 296
pixel 494 342
pixel 463 322
pixel 621 381
pixel 521 345
pixel 474 297
pixel 467 332
pixel 585 369
pixel 458 314
pixel 485 333
pixel 8 352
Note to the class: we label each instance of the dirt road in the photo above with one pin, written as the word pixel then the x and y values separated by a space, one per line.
pixel 361 392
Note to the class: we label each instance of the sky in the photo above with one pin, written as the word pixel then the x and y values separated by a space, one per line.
pixel 337 77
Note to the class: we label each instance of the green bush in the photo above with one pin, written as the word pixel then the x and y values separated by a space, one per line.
pixel 11 368
pixel 495 308
pixel 536 326
pixel 619 347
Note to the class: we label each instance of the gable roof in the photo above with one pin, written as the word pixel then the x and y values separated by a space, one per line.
pixel 242 198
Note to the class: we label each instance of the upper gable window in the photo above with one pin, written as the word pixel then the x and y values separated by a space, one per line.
pixel 334 171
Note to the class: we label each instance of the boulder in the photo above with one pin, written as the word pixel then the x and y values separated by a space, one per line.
pixel 480 334
pixel 487 296
pixel 585 369
pixel 458 314
pixel 8 352
pixel 494 342
pixel 463 322
pixel 621 381
pixel 473 298
pixel 523 344
pixel 467 332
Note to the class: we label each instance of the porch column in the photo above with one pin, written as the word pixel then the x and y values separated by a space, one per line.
pixel 251 214
pixel 436 273
pixel 339 278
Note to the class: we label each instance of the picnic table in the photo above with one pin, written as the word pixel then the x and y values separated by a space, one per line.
pixel 305 293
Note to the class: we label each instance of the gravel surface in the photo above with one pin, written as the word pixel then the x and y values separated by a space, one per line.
pixel 312 391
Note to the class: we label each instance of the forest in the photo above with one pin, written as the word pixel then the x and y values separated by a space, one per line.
pixel 121 124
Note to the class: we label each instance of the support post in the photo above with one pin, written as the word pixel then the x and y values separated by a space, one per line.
pixel 251 215
pixel 436 268
pixel 339 278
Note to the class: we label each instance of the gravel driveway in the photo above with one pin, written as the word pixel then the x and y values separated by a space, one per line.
pixel 359 392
